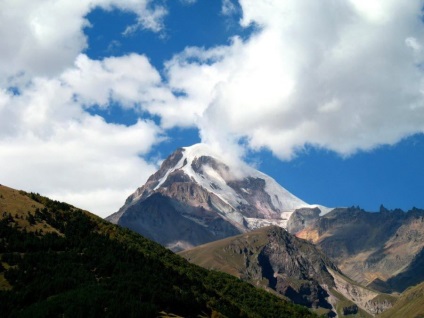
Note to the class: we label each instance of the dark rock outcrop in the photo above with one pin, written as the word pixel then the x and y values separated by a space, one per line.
pixel 350 310
pixel 273 258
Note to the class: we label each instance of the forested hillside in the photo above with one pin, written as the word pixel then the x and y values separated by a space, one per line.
pixel 57 260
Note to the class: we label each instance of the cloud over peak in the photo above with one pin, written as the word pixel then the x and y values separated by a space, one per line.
pixel 342 75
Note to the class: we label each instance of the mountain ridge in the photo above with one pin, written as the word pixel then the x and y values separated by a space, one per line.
pixel 277 261
pixel 384 250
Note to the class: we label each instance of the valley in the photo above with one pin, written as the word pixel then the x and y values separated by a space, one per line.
pixel 335 261
pixel 265 252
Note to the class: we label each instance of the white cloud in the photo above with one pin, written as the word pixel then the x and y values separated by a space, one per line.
pixel 50 145
pixel 228 7
pixel 147 18
pixel 44 37
pixel 130 79
pixel 343 75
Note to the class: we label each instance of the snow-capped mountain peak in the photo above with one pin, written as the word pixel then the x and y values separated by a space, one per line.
pixel 205 188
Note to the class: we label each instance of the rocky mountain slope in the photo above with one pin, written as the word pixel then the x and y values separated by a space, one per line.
pixel 383 250
pixel 196 197
pixel 273 259
pixel 59 261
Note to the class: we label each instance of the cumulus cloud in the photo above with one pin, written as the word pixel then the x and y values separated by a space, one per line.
pixel 49 142
pixel 91 164
pixel 129 79
pixel 44 37
pixel 342 75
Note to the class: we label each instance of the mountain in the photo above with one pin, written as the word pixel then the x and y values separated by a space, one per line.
pixel 59 261
pixel 383 250
pixel 196 197
pixel 279 262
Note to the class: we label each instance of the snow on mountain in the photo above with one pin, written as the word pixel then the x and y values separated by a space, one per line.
pixel 203 188
pixel 216 179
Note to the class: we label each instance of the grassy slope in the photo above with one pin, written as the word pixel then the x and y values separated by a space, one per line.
pixel 214 255
pixel 409 304
pixel 60 260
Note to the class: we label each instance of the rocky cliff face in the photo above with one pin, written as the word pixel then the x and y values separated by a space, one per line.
pixel 276 260
pixel 378 305
pixel 195 197
pixel 383 250
pixel 302 218
pixel 369 300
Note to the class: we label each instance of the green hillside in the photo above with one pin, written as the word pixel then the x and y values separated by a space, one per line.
pixel 409 304
pixel 57 260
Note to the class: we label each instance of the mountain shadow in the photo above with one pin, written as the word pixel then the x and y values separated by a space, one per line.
pixel 411 276
pixel 382 250
pixel 175 224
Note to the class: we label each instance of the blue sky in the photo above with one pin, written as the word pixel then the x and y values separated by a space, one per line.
pixel 327 98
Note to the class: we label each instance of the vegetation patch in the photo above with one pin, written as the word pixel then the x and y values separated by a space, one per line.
pixel 86 266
